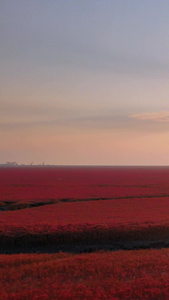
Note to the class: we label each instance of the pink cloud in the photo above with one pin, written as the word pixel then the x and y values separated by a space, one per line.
pixel 153 116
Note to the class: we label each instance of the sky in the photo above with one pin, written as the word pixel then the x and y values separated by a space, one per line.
pixel 84 82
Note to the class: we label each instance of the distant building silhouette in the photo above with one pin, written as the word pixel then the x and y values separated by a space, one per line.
pixel 11 163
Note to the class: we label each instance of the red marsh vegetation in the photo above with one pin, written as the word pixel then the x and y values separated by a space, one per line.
pixel 43 183
pixel 83 205
pixel 84 209
pixel 127 275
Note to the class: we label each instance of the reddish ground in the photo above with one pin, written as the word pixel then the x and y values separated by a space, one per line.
pixel 127 275
pixel 79 207
pixel 82 182
pixel 135 205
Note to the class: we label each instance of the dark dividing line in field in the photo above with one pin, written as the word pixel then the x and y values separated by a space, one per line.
pixel 111 198
pixel 127 185
pixel 93 185
pixel 15 205
pixel 88 248
pixel 83 238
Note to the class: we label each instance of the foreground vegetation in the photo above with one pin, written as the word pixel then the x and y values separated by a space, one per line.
pixel 78 210
pixel 127 275
pixel 125 223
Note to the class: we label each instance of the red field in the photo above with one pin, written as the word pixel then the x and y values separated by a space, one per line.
pixel 84 209
pixel 127 275
pixel 43 183
pixel 134 205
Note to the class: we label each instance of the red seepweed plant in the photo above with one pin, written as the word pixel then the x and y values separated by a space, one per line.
pixel 141 274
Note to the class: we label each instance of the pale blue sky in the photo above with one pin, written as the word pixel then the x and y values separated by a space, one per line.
pixel 76 71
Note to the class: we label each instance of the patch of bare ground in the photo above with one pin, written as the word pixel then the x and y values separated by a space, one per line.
pixel 16 205
pixel 46 240
pixel 86 248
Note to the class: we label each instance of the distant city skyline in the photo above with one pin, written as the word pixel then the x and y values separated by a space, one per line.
pixel 84 83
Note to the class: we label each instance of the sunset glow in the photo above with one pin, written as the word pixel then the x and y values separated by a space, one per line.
pixel 84 83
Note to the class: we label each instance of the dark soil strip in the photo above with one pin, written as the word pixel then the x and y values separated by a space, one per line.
pixel 112 198
pixel 83 238
pixel 88 248
pixel 15 205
